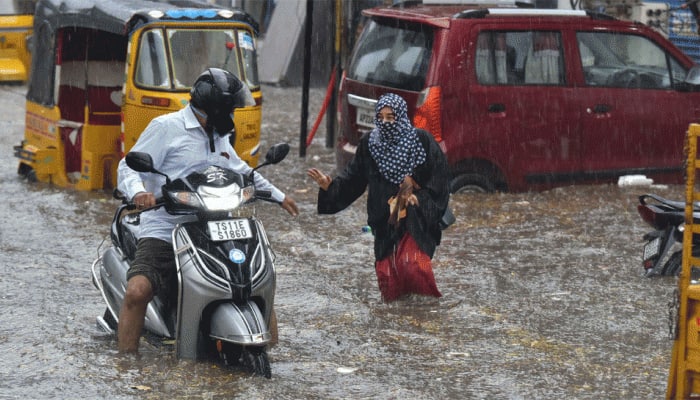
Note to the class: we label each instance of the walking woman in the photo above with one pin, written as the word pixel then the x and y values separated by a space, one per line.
pixel 408 181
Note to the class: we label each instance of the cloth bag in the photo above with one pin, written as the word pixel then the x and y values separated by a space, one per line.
pixel 407 270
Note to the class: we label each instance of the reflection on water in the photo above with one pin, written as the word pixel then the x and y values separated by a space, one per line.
pixel 543 297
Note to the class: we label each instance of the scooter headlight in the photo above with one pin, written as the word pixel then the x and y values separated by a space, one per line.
pixel 221 198
pixel 187 198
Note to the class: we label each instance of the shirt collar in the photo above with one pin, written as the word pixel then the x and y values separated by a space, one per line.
pixel 191 121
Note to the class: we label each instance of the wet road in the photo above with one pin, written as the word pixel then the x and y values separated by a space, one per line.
pixel 543 296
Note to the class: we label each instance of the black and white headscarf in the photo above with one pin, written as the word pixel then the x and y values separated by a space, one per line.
pixel 394 146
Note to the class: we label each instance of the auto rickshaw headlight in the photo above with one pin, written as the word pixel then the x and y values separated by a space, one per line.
pixel 157 14
pixel 226 13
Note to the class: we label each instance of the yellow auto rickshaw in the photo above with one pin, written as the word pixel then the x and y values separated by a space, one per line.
pixel 15 31
pixel 103 70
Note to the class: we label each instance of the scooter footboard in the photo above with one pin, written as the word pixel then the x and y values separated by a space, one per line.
pixel 242 324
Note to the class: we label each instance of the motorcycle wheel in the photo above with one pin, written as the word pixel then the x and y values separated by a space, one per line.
pixel 673 265
pixel 256 360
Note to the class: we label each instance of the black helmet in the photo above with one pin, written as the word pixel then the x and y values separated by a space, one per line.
pixel 217 92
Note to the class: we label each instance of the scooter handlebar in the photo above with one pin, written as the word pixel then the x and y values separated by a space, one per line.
pixel 130 205
pixel 265 195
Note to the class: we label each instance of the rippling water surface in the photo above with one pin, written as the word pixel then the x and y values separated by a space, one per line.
pixel 543 296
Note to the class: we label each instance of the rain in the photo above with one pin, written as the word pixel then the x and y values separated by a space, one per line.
pixel 543 295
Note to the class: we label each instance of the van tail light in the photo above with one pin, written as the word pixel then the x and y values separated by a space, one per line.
pixel 428 116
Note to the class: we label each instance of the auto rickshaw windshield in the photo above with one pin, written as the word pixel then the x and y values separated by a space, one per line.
pixel 17 7
pixel 190 52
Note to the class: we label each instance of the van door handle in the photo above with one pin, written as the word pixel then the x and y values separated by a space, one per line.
pixel 496 108
pixel 599 109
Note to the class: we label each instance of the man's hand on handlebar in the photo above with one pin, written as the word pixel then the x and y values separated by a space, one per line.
pixel 143 200
pixel 290 206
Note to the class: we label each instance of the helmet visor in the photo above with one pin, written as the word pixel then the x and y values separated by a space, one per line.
pixel 243 97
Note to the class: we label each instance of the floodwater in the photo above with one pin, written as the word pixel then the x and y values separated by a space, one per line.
pixel 543 296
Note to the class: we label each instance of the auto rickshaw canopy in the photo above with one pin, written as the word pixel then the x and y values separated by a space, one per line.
pixel 118 18
pixel 108 68
pixel 122 17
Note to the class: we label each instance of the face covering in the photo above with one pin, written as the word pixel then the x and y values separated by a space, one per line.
pixel 394 146
pixel 222 123
pixel 222 126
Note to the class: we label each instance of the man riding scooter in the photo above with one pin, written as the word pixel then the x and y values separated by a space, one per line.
pixel 179 143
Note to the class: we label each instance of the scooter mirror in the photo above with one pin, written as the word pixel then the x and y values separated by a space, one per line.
pixel 276 153
pixel 140 162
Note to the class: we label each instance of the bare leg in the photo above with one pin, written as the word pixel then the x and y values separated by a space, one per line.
pixel 133 312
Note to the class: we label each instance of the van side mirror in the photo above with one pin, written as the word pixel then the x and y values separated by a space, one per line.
pixel 140 162
pixel 691 83
pixel 693 76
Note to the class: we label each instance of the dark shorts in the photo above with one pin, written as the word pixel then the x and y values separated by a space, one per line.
pixel 155 260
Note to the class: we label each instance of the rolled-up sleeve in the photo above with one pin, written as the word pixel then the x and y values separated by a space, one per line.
pixel 130 182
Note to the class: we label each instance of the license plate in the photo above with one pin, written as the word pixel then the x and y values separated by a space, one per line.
pixel 365 117
pixel 652 249
pixel 230 229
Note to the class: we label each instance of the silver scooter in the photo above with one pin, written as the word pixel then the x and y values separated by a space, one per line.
pixel 222 303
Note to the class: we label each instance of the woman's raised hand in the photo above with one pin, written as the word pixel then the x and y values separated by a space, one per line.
pixel 322 179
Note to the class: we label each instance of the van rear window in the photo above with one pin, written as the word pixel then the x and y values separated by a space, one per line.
pixel 395 55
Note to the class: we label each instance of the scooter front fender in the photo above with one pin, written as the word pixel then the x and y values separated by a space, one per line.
pixel 242 324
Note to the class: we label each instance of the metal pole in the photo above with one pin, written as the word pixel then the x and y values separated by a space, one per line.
pixel 337 8
pixel 308 29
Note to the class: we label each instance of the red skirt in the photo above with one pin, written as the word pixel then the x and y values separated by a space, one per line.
pixel 407 270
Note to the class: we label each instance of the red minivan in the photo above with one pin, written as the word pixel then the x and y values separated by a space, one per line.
pixel 525 99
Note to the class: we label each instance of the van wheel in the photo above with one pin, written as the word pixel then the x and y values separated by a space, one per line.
pixel 471 183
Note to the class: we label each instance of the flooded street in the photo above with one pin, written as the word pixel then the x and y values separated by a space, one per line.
pixel 543 296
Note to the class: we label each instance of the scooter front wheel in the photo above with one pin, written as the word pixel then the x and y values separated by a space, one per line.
pixel 256 360
pixel 252 358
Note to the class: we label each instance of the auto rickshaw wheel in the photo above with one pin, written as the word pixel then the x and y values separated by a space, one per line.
pixel 27 172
